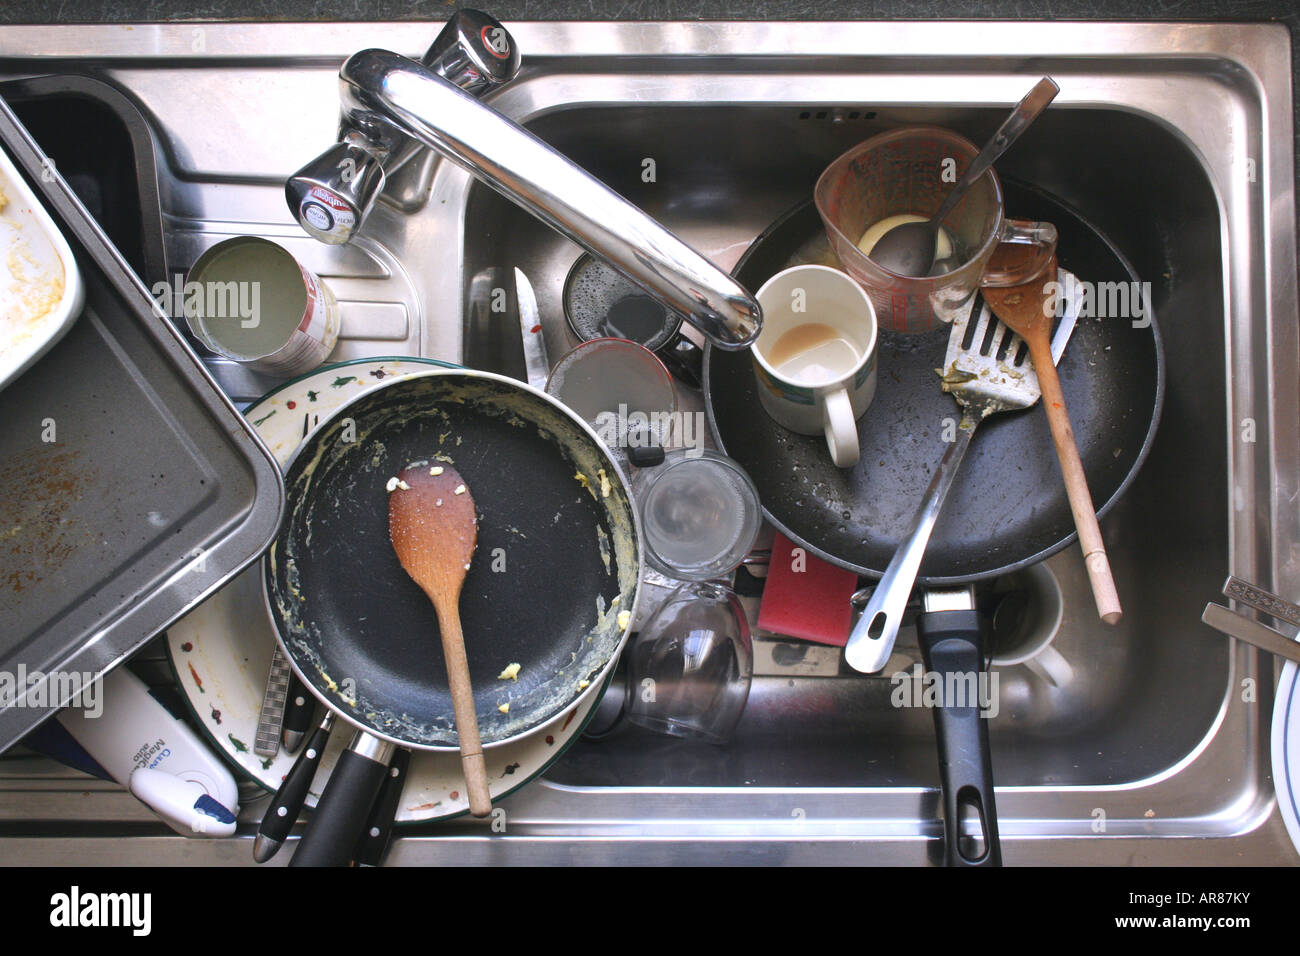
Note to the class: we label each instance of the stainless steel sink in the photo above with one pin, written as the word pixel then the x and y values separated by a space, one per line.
pixel 1174 140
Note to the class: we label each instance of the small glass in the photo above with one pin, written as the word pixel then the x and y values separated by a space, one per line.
pixel 691 666
pixel 700 514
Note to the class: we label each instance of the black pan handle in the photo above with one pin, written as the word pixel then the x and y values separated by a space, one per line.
pixel 345 805
pixel 287 803
pixel 373 843
pixel 952 643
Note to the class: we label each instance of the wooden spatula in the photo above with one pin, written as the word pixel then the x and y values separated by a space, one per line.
pixel 434 529
pixel 1022 308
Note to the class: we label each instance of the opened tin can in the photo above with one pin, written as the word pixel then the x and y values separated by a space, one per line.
pixel 251 301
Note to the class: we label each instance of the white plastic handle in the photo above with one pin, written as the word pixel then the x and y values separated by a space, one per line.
pixel 841 428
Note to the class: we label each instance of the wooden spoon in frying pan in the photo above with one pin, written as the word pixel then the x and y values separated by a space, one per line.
pixel 1023 308
pixel 434 529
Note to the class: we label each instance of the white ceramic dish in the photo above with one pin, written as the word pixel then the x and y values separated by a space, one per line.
pixel 1286 749
pixel 221 651
pixel 41 292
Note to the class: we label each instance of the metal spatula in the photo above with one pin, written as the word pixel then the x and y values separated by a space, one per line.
pixel 987 369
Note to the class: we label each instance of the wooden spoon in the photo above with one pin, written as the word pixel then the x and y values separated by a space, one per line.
pixel 434 530
pixel 1022 308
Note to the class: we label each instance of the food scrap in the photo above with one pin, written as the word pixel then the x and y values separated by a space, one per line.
pixel 582 480
pixel 624 619
pixel 583 684
pixel 511 673
pixel 395 483
pixel 604 483
pixel 504 708
pixel 955 376
pixel 436 470
pixel 460 489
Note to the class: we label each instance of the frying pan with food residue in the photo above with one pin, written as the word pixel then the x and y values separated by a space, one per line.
pixel 1009 508
pixel 552 586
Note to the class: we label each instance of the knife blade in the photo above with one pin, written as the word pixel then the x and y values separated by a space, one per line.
pixel 530 330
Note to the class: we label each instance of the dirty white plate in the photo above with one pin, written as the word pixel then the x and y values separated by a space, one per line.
pixel 41 292
pixel 221 651
pixel 1286 749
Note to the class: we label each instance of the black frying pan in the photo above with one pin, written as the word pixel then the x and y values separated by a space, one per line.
pixel 557 561
pixel 1008 507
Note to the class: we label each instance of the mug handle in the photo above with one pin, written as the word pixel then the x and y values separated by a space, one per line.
pixel 841 428
pixel 1051 666
pixel 1024 252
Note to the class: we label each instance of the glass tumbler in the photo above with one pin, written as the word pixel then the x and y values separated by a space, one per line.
pixel 691 666
pixel 910 171
pixel 700 514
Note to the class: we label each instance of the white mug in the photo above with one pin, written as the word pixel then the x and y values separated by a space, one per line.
pixel 1032 647
pixel 815 359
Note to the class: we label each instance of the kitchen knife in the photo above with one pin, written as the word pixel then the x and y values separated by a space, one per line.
pixel 299 707
pixel 373 844
pixel 530 330
pixel 287 803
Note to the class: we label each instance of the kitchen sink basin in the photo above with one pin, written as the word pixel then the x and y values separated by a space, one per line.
pixel 724 173
pixel 1172 140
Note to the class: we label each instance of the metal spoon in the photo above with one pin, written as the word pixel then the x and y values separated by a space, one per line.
pixel 908 249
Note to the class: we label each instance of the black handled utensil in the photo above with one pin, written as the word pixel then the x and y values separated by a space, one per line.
pixel 951 633
pixel 299 706
pixel 372 847
pixel 288 800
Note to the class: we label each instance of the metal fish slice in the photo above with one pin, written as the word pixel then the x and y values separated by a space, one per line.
pixel 987 369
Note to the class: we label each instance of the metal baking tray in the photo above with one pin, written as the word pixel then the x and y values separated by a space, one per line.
pixel 130 487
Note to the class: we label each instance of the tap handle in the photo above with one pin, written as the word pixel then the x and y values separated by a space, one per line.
pixel 475 52
pixel 332 194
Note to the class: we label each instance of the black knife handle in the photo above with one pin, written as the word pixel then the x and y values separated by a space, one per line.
pixel 373 844
pixel 299 705
pixel 289 799
pixel 952 643
pixel 345 805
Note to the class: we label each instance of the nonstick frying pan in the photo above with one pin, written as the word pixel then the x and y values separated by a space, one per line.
pixel 1008 509
pixel 557 562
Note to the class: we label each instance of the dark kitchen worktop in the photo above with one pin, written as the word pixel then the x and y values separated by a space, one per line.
pixel 115 11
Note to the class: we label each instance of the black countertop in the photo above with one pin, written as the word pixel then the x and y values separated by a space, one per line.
pixel 117 11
